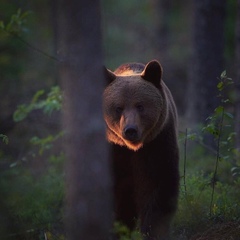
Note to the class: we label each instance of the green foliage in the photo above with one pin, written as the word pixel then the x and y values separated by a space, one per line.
pixel 45 143
pixel 16 25
pixel 4 138
pixel 53 102
pixel 35 201
pixel 224 82
pixel 235 171
pixel 199 205
pixel 193 208
pixel 221 122
pixel 34 197
pixel 124 233
pixel 209 194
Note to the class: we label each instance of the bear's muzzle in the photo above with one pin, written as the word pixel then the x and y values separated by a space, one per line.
pixel 131 133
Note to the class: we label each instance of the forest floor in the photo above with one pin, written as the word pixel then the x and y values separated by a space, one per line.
pixel 223 231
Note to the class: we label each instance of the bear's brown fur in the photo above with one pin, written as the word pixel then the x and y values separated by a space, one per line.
pixel 141 120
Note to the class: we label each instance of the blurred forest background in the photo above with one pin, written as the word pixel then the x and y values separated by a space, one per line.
pixel 198 45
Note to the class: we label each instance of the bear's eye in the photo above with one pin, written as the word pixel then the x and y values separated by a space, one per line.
pixel 119 110
pixel 140 108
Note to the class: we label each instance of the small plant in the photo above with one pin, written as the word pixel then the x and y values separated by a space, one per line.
pixel 205 199
pixel 34 195
pixel 16 25
pixel 51 102
pixel 124 233
pixel 216 125
pixel 45 143
pixel 35 202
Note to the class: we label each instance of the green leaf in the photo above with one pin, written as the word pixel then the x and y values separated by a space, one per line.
pixel 13 164
pixel 219 110
pixel 223 74
pixel 37 95
pixel 225 100
pixel 4 138
pixel 220 86
pixel 228 115
pixel 16 23
pixel 211 128
pixel 235 169
pixel 192 136
pixel 21 113
pixel 2 26
pixel 235 174
pixel 45 143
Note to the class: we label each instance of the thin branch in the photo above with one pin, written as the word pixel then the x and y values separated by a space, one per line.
pixel 198 141
pixel 185 161
pixel 31 46
pixel 217 160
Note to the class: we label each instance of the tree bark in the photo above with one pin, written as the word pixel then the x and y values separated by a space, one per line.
pixel 88 189
pixel 237 104
pixel 163 9
pixel 208 48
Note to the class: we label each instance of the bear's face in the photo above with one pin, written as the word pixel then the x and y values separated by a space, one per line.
pixel 132 108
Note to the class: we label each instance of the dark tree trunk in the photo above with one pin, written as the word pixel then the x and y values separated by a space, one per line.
pixel 207 63
pixel 163 30
pixel 237 104
pixel 54 21
pixel 88 190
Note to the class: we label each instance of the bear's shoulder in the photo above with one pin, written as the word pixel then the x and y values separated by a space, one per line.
pixel 130 69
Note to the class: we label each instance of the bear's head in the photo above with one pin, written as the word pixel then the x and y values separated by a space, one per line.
pixel 134 105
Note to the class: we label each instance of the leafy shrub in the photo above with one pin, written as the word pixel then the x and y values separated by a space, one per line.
pixel 124 233
pixel 33 196
pixel 34 201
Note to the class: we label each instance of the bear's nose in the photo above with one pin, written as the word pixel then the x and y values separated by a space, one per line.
pixel 131 133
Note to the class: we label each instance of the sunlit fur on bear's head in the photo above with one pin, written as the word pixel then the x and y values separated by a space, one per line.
pixel 133 104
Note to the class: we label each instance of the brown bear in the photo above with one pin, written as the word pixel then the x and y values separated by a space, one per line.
pixel 141 122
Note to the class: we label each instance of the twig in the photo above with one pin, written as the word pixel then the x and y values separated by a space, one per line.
pixel 185 161
pixel 31 46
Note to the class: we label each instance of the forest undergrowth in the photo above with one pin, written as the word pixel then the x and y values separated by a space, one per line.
pixel 208 206
pixel 32 184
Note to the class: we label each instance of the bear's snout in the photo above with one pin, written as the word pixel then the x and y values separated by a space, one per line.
pixel 131 133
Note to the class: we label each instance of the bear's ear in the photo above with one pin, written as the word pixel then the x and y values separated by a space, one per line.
pixel 109 75
pixel 153 73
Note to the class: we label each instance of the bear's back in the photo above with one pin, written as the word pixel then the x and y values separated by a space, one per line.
pixel 130 69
